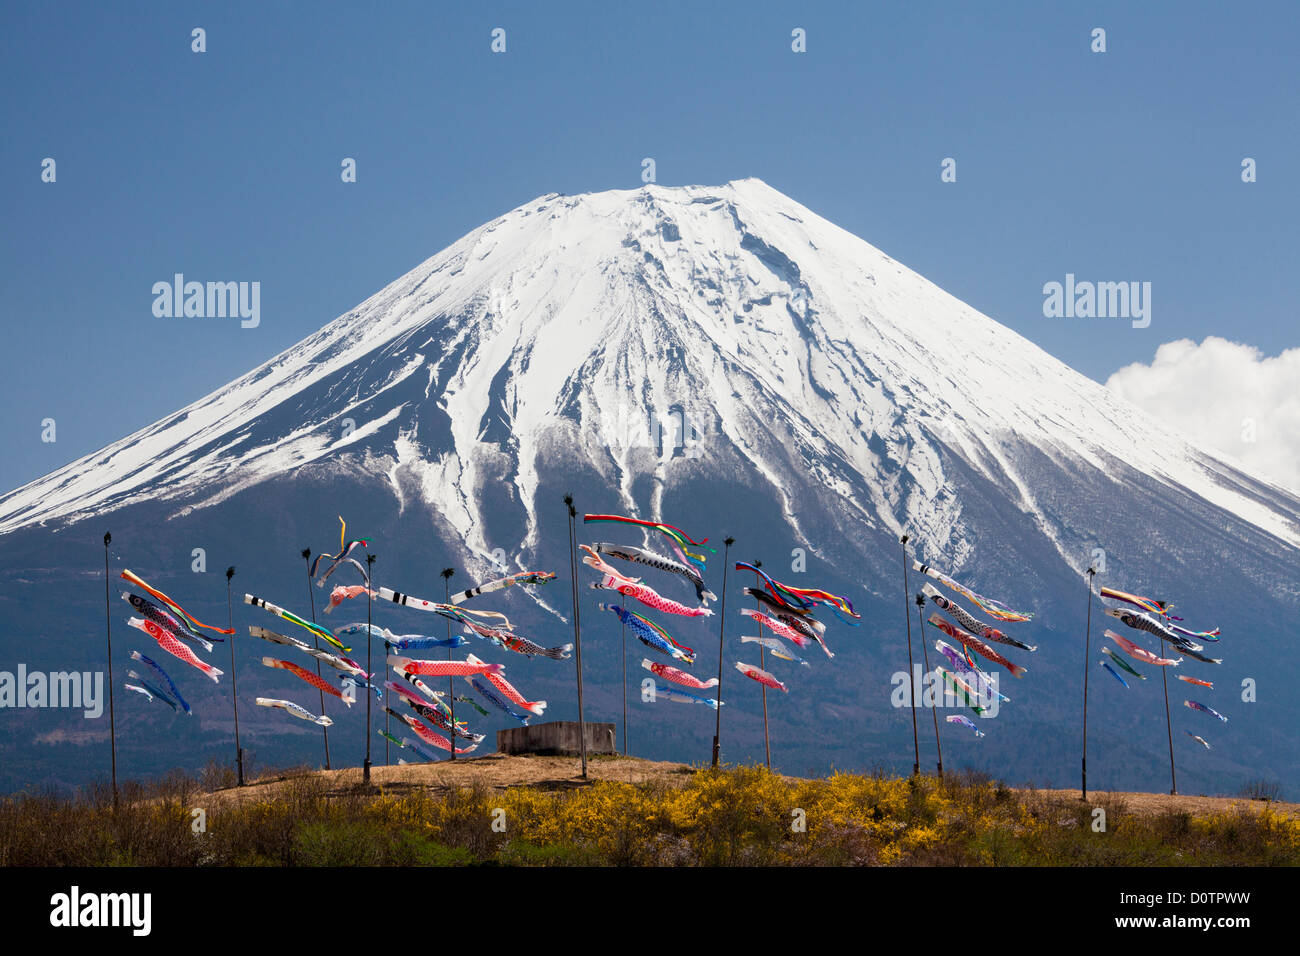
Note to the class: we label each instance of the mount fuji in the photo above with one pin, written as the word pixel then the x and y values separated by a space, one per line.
pixel 723 359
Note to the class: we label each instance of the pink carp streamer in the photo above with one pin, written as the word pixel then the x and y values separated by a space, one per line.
pixel 668 672
pixel 507 690
pixel 466 668
pixel 762 676
pixel 776 627
pixel 172 645
pixel 649 597
pixel 346 592
pixel 975 644
pixel 1140 653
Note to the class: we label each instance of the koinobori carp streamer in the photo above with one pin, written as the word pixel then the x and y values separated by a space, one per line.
pixel 1140 653
pixel 683 541
pixel 681 697
pixel 497 584
pixel 518 644
pixel 493 697
pixel 804 598
pixel 650 634
pixel 668 672
pixel 1123 664
pixel 157 669
pixel 975 644
pixel 507 690
pixel 653 560
pixel 776 649
pixel 1113 673
pixel 465 668
pixel 989 606
pixel 965 722
pixel 143 687
pixel 297 710
pixel 301 672
pixel 345 550
pixel 776 627
pixel 177 625
pixel 969 621
pixel 762 676
pixel 446 610
pixel 172 645
pixel 128 575
pixel 1205 710
pixel 294 619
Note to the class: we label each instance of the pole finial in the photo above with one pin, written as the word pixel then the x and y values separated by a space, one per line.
pixel 306 554
pixel 729 541
pixel 230 572
pixel 905 538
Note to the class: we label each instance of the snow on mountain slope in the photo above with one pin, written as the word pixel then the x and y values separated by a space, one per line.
pixel 560 330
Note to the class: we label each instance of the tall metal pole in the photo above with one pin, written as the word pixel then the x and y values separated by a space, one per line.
pixel 451 689
pixel 108 631
pixel 1087 659
pixel 911 668
pixel 925 651
pixel 370 670
pixel 622 633
pixel 722 629
pixel 311 597
pixel 762 663
pixel 234 687
pixel 1164 678
pixel 577 628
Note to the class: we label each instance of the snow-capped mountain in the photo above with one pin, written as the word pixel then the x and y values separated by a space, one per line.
pixel 727 360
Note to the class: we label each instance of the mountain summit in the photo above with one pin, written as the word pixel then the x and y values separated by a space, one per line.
pixel 635 331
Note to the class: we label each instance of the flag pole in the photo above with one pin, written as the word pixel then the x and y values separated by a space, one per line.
pixel 767 743
pixel 925 650
pixel 622 633
pixel 1164 678
pixel 234 688
pixel 306 556
pixel 370 671
pixel 451 688
pixel 108 631
pixel 1087 659
pixel 911 678
pixel 577 629
pixel 722 628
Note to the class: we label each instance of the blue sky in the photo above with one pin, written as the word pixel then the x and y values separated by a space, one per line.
pixel 225 165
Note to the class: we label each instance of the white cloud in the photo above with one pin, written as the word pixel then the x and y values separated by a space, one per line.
pixel 1227 396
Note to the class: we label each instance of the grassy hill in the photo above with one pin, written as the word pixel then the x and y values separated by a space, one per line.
pixel 537 811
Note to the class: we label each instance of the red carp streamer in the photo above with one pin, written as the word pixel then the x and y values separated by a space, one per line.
pixel 318 682
pixel 172 645
pixel 668 672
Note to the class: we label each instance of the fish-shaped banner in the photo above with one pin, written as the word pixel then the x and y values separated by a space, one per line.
pixel 989 606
